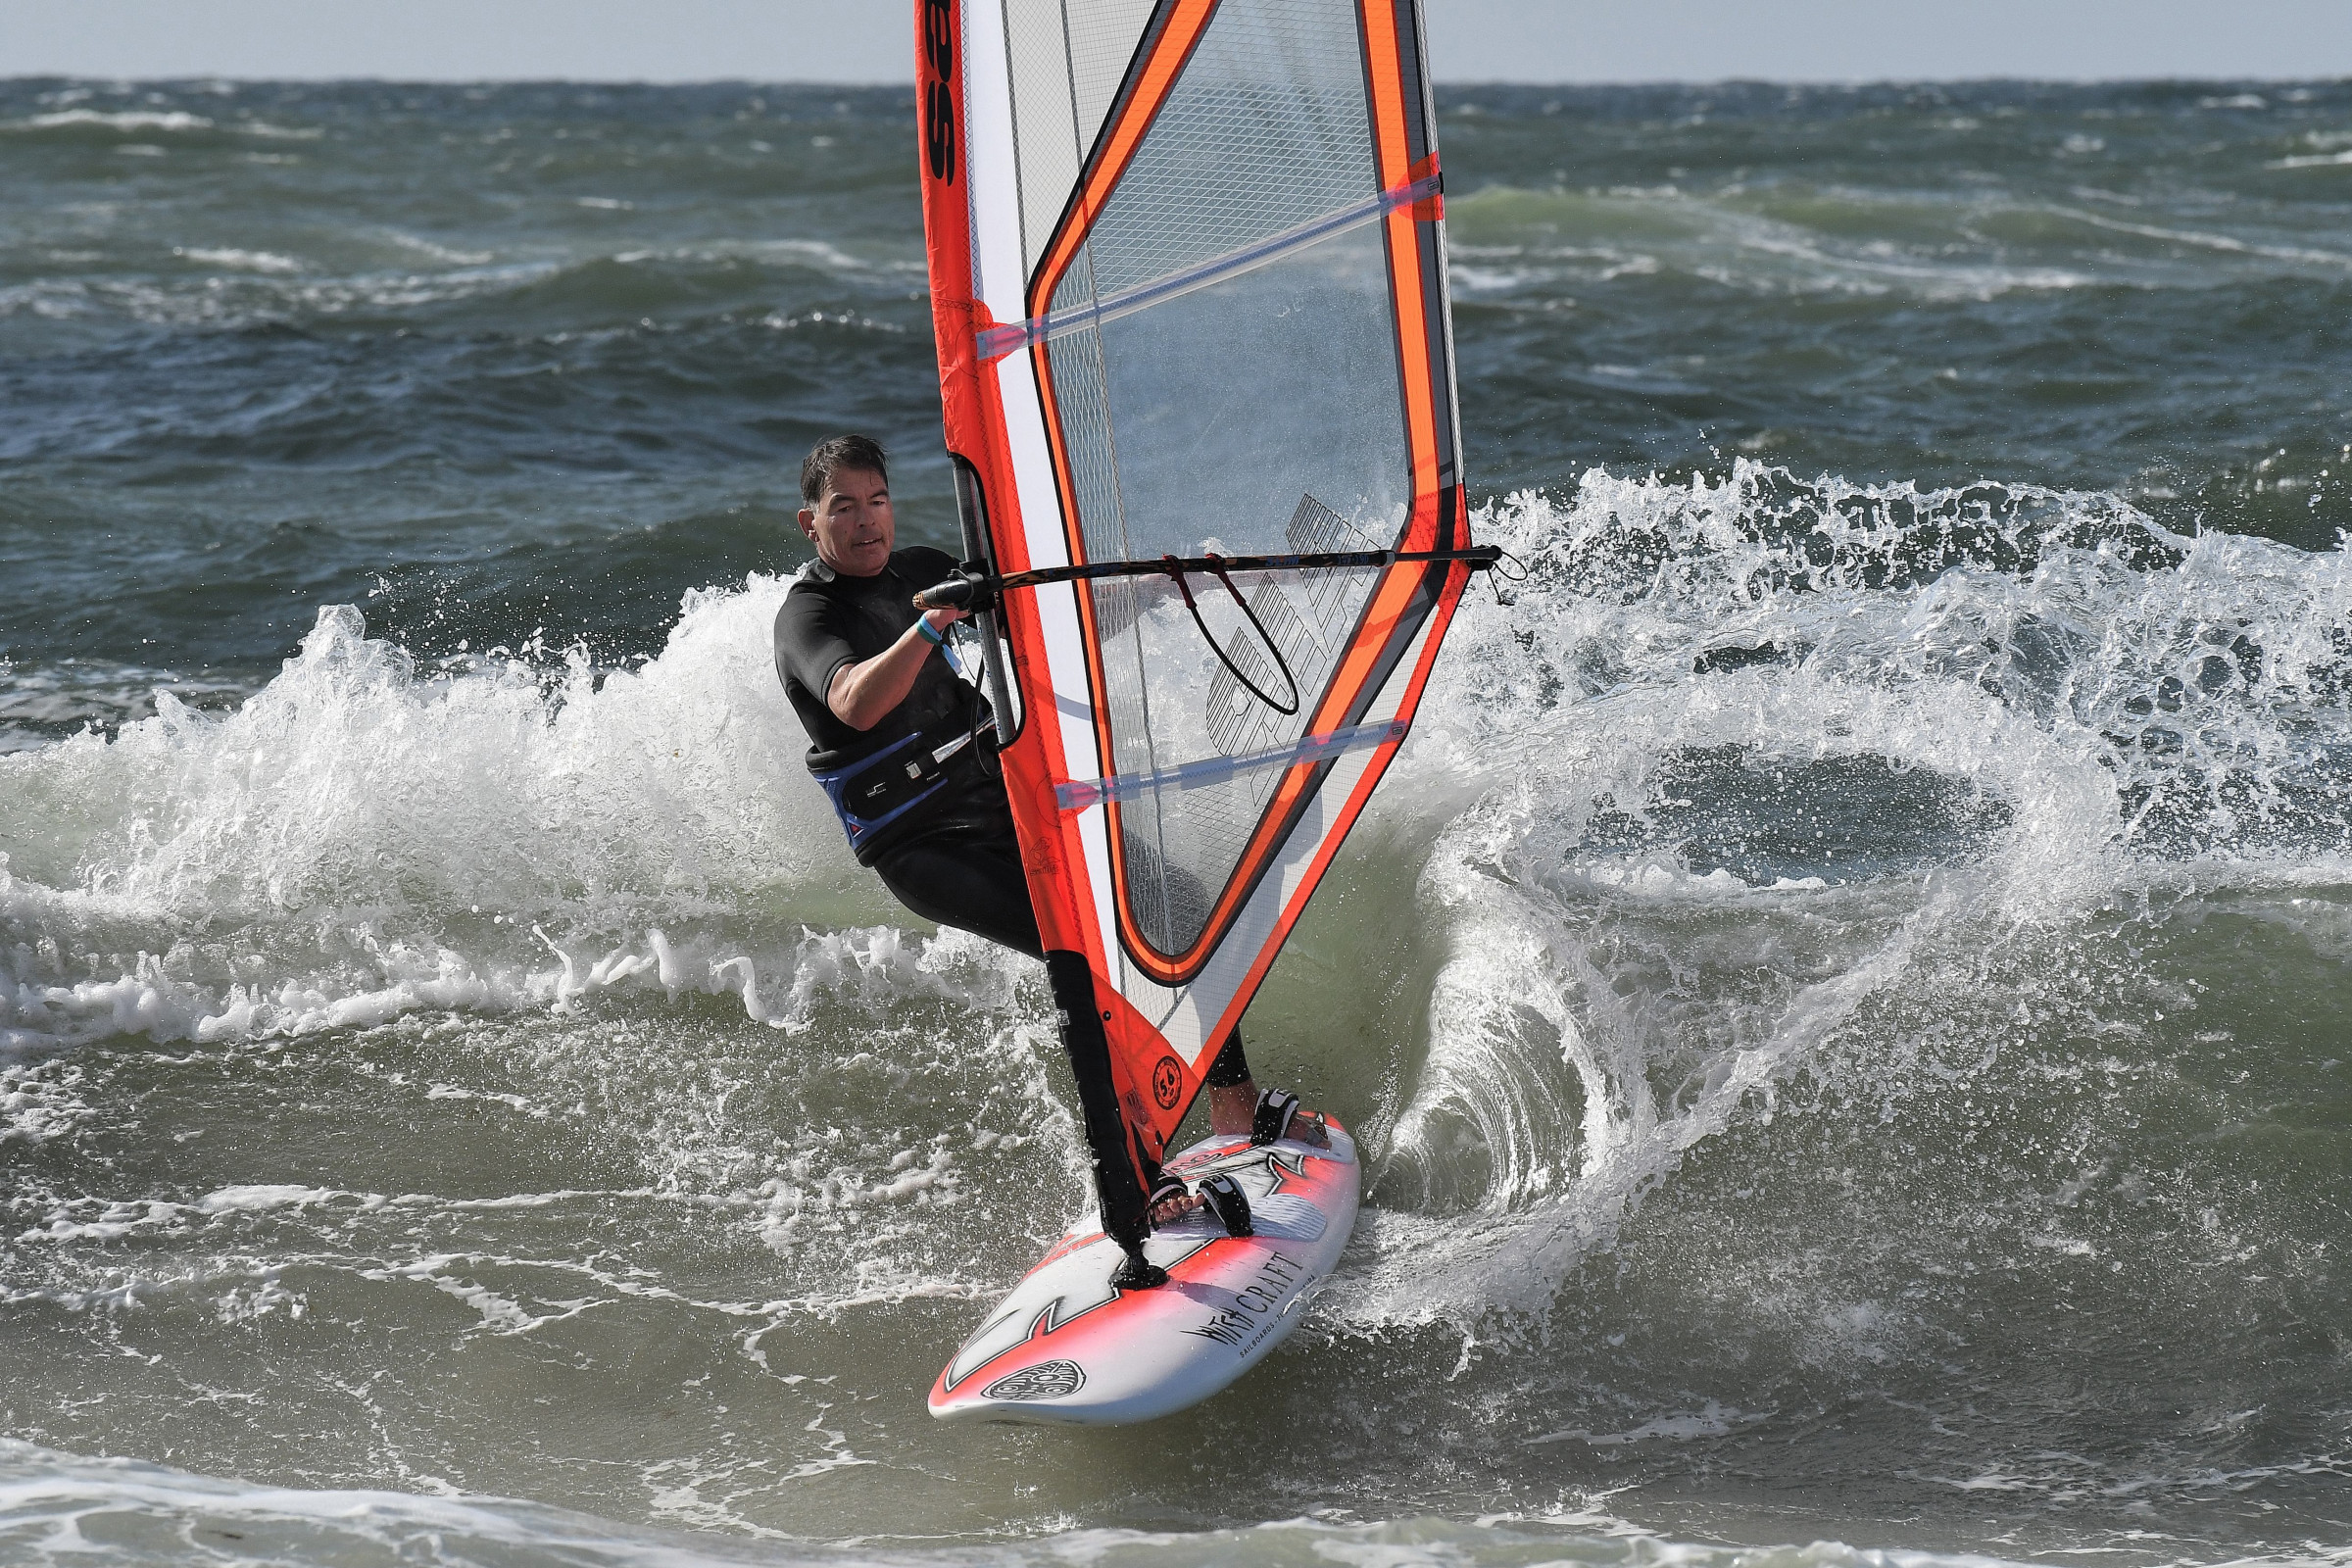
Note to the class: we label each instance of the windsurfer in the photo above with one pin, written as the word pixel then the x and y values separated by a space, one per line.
pixel 900 742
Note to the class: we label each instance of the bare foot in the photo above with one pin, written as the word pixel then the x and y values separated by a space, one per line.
pixel 1309 1128
pixel 1231 1112
pixel 1168 1210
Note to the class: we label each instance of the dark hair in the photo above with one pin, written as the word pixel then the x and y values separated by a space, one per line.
pixel 835 453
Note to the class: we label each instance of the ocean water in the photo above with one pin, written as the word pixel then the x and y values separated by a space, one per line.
pixel 1845 999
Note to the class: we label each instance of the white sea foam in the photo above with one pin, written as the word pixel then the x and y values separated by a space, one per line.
pixel 519 836
pixel 277 1196
pixel 73 692
pixel 39 1100
pixel 2225 243
pixel 2135 709
pixel 524 834
pixel 60 1508
pixel 120 120
pixel 152 121
pixel 243 260
pixel 427 247
pixel 383 981
pixel 267 286
pixel 266 292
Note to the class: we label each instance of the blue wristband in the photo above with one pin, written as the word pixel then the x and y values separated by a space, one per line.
pixel 931 634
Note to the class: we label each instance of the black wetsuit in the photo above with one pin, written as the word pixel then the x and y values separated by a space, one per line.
pixel 953 857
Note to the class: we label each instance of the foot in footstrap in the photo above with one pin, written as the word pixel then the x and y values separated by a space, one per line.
pixel 1168 1201
pixel 1280 1115
pixel 1227 1201
pixel 1138 1272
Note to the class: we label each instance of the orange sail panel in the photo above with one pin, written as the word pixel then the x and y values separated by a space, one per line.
pixel 1187 271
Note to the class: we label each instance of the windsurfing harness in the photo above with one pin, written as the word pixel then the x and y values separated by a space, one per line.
pixel 1188 281
pixel 928 754
pixel 873 791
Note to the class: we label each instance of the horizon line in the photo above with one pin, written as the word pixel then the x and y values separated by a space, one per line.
pixel 907 84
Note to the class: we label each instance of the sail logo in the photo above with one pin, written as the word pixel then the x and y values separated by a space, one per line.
pixel 1167 1083
pixel 939 104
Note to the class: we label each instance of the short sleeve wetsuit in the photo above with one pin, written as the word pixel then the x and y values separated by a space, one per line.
pixel 952 859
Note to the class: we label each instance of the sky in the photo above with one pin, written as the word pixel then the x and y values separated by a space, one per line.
pixel 1470 40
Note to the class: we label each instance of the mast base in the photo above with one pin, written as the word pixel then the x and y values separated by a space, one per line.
pixel 1139 1273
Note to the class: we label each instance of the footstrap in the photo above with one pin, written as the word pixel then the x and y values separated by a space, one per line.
pixel 1228 1203
pixel 1166 1187
pixel 1277 1108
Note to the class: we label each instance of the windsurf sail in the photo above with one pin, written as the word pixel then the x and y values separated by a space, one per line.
pixel 1188 273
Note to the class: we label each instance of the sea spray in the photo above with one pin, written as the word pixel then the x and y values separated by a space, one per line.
pixel 427 832
pixel 2051 690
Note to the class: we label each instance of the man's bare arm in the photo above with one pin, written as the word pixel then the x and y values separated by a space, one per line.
pixel 863 693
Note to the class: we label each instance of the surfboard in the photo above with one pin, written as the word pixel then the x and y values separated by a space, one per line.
pixel 1195 365
pixel 1067 1347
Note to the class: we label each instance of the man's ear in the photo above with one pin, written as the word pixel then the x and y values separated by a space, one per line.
pixel 808 523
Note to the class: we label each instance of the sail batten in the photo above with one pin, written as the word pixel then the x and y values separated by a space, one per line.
pixel 1189 283
pixel 1077 795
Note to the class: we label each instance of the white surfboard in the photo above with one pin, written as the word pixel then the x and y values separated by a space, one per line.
pixel 1066 1346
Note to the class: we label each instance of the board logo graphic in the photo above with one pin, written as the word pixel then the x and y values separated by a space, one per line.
pixel 1048 1380
pixel 1167 1083
pixel 939 104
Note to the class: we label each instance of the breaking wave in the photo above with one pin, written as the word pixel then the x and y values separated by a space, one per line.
pixel 1859 742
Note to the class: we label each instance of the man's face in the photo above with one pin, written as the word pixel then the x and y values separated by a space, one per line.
pixel 851 523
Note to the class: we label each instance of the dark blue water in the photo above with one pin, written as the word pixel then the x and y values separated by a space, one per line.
pixel 510 358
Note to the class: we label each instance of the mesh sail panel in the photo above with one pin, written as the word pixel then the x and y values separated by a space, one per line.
pixel 1257 413
pixel 1103 39
pixel 1305 615
pixel 1268 129
pixel 1065 59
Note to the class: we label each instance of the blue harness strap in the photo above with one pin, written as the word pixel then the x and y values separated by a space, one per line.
pixel 876 790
